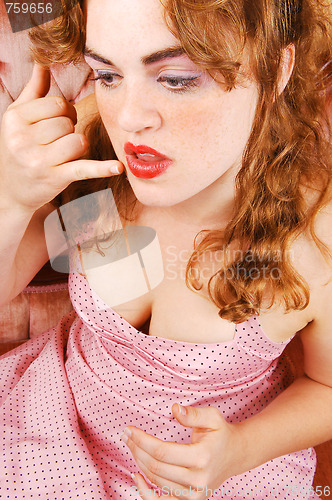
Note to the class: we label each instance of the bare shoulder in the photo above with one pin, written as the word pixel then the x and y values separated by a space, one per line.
pixel 312 261
pixel 317 271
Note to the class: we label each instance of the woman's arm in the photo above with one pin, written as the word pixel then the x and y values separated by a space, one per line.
pixel 38 159
pixel 301 416
pixel 22 249
pixel 298 418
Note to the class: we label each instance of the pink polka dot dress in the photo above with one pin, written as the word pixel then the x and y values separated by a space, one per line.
pixel 67 395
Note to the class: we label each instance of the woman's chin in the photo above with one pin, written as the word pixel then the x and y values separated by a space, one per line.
pixel 153 201
pixel 151 194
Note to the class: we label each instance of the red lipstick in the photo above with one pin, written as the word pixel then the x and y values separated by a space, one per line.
pixel 145 162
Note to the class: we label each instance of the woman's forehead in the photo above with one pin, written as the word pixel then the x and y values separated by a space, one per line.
pixel 127 13
pixel 114 25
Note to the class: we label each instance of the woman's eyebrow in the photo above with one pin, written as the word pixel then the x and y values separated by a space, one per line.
pixel 94 55
pixel 169 52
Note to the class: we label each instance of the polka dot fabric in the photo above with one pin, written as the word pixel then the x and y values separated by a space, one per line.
pixel 67 396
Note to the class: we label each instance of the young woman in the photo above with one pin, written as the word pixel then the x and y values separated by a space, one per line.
pixel 216 112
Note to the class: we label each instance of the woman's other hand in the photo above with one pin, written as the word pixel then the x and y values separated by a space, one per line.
pixel 39 148
pixel 187 471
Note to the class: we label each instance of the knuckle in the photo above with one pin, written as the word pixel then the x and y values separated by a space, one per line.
pixel 78 171
pixel 35 163
pixel 154 467
pixel 83 172
pixel 73 145
pixel 194 413
pixel 19 142
pixel 10 107
pixel 61 102
pixel 68 124
pixel 215 413
pixel 11 111
pixel 11 116
pixel 159 454
pixel 82 141
pixel 16 141
pixel 202 461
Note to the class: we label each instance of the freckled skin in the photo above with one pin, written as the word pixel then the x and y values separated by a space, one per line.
pixel 204 130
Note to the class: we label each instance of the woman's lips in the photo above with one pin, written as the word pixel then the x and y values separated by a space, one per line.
pixel 145 162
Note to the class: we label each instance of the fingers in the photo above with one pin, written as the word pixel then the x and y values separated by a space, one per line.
pixel 206 418
pixel 85 169
pixel 52 129
pixel 38 157
pixel 162 473
pixel 40 151
pixel 176 492
pixel 32 106
pixel 170 453
pixel 44 108
pixel 38 85
pixel 143 489
pixel 187 469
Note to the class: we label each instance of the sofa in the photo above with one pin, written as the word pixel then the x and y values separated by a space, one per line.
pixel 45 300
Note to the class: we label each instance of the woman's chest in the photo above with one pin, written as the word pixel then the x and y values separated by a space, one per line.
pixel 173 310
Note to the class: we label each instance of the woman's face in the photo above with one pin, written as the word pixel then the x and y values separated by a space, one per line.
pixel 179 134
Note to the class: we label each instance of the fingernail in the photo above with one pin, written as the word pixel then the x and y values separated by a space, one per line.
pixel 114 169
pixel 124 438
pixel 182 410
pixel 126 435
pixel 134 478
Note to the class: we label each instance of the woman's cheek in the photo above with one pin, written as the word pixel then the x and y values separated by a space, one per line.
pixel 108 114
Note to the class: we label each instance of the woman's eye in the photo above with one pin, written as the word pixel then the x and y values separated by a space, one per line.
pixel 179 83
pixel 106 79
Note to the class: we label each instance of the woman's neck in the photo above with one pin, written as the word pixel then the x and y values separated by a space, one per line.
pixel 212 208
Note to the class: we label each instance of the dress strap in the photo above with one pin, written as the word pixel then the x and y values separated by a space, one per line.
pixel 252 338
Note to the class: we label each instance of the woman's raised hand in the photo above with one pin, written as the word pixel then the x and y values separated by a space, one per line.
pixel 39 148
pixel 187 471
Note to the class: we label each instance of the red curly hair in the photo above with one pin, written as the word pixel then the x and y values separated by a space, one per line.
pixel 288 153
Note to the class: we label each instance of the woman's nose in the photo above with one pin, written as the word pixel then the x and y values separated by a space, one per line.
pixel 137 111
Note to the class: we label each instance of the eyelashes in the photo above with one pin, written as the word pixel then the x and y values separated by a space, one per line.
pixel 105 79
pixel 179 84
pixel 173 83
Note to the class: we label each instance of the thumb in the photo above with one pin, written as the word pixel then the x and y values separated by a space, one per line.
pixel 207 417
pixel 37 86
